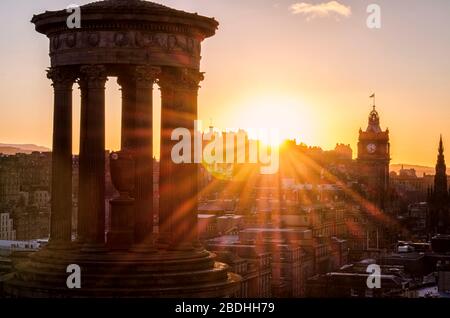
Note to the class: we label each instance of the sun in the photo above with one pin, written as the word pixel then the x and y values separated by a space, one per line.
pixel 273 119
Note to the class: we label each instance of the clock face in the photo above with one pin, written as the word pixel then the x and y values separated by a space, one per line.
pixel 371 148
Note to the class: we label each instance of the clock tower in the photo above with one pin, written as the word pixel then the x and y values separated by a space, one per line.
pixel 373 160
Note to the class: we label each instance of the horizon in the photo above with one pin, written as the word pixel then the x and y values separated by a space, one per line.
pixel 396 164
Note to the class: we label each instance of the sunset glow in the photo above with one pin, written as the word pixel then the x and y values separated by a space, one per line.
pixel 276 118
pixel 191 150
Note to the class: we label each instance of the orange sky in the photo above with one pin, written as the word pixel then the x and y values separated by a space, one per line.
pixel 308 77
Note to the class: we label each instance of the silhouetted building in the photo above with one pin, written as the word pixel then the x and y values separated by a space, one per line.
pixel 373 160
pixel 343 152
pixel 32 222
pixel 408 186
pixel 9 185
pixel 417 218
pixel 351 285
pixel 7 231
pixel 253 266
pixel 439 218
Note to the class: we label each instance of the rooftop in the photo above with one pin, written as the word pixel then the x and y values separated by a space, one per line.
pixel 142 13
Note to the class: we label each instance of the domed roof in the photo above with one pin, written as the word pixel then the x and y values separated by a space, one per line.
pixel 138 11
pixel 128 5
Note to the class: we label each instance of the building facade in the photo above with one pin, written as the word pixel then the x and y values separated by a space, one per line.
pixel 7 231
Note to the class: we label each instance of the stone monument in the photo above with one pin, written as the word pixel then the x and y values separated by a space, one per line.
pixel 141 43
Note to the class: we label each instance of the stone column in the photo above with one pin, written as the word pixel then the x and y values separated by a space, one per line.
pixel 128 88
pixel 145 77
pixel 178 182
pixel 137 137
pixel 91 207
pixel 61 203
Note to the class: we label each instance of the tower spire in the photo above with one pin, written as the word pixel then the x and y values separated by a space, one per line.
pixel 374 118
pixel 441 169
pixel 439 197
pixel 373 101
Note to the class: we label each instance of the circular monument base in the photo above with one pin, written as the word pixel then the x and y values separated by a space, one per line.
pixel 161 274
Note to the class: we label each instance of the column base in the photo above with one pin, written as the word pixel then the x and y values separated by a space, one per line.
pixel 61 246
pixel 166 242
pixel 94 248
pixel 147 246
pixel 119 240
pixel 182 247
pixel 163 240
pixel 120 237
pixel 164 274
pixel 143 248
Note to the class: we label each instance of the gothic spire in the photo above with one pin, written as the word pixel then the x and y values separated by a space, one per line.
pixel 439 221
pixel 440 179
pixel 440 165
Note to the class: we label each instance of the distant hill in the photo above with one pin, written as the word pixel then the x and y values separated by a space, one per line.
pixel 12 149
pixel 420 170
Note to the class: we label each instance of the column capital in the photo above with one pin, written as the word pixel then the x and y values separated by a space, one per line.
pixel 62 78
pixel 180 78
pixel 142 76
pixel 93 76
pixel 146 75
pixel 123 81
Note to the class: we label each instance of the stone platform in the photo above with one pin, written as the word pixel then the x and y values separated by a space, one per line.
pixel 107 274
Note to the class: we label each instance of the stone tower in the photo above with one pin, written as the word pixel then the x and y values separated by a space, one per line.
pixel 373 160
pixel 438 198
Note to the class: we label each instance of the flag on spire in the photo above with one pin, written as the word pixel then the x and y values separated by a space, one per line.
pixel 373 97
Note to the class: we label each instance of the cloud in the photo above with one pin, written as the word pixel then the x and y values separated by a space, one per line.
pixel 321 10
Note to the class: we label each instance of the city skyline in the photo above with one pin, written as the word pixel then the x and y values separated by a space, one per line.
pixel 321 95
pixel 312 166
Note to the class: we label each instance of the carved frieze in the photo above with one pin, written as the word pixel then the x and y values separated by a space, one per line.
pixel 121 39
pixel 93 39
pixel 71 40
pixel 129 39
pixel 125 47
pixel 55 42
pixel 143 39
